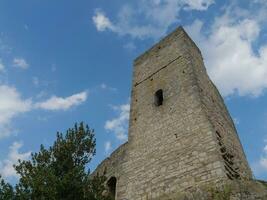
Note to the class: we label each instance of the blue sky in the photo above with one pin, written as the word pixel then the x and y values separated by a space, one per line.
pixel 66 61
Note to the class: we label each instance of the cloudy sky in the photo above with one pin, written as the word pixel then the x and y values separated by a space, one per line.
pixel 67 61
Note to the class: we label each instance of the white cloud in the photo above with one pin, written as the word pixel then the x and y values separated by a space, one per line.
pixel 147 18
pixel 260 1
pixel 236 121
pixel 198 4
pixel 108 147
pixel 104 86
pixel 11 105
pixel 60 103
pixel 227 45
pixel 119 124
pixel 20 63
pixel 260 167
pixel 35 81
pixel 6 166
pixel 4 48
pixel 229 55
pixel 41 94
pixel 101 21
pixel 263 163
pixel 2 66
pixel 130 46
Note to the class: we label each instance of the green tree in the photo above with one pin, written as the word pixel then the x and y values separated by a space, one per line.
pixel 6 190
pixel 60 172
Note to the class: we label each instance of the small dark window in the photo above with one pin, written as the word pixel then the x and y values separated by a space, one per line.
pixel 158 97
pixel 112 182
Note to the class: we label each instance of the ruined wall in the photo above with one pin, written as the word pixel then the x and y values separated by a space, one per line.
pixel 114 166
pixel 230 148
pixel 172 147
pixel 111 166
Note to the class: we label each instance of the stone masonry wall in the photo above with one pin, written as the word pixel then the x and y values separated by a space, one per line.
pixel 172 147
pixel 230 148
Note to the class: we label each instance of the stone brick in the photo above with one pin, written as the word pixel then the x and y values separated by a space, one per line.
pixel 188 141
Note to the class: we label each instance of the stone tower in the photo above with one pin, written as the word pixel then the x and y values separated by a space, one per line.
pixel 181 135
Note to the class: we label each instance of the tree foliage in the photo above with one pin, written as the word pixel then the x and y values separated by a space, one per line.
pixel 60 171
pixel 6 190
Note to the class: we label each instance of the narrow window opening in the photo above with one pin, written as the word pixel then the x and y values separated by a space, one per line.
pixel 159 97
pixel 112 182
pixel 218 134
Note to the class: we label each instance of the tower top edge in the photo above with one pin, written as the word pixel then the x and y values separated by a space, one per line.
pixel 170 37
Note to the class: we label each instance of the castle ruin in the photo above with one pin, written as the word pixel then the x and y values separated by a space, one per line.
pixel 180 132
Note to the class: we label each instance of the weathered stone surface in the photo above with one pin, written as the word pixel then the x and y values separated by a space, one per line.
pixel 187 142
pixel 233 190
